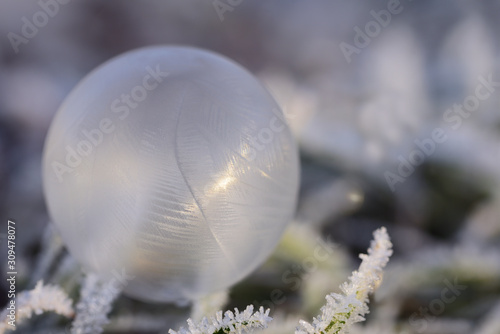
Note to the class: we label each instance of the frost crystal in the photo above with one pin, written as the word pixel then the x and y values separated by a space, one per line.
pixel 42 298
pixel 231 323
pixel 95 303
pixel 343 310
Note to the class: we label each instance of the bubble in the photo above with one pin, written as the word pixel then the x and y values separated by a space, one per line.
pixel 153 168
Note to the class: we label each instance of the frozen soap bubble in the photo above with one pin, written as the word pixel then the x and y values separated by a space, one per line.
pixel 173 165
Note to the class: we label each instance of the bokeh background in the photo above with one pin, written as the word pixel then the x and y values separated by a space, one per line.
pixel 360 94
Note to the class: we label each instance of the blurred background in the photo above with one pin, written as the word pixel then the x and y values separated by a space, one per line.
pixel 395 106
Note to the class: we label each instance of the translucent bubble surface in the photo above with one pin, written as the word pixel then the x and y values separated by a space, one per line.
pixel 173 165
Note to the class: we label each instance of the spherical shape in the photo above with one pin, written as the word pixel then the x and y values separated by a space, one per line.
pixel 174 166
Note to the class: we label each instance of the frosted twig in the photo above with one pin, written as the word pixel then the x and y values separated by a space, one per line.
pixel 95 303
pixel 43 298
pixel 231 323
pixel 343 310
